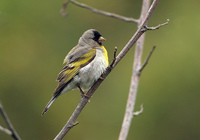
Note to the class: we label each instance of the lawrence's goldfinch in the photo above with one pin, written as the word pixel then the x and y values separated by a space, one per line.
pixel 84 65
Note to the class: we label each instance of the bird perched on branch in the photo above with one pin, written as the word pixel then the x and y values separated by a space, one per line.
pixel 84 65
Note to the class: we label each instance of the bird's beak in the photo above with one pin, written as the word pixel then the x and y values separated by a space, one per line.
pixel 101 39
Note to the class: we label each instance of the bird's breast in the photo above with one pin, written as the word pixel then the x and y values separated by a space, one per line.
pixel 91 72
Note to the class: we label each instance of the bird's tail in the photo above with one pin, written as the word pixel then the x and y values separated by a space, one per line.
pixel 49 104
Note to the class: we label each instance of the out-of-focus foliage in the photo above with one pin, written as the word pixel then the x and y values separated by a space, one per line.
pixel 34 39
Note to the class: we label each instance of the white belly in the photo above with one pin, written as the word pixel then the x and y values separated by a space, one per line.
pixel 91 72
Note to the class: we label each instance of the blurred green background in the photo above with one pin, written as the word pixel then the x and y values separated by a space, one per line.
pixel 34 39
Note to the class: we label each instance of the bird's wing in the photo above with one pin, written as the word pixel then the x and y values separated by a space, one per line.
pixel 72 68
pixel 76 52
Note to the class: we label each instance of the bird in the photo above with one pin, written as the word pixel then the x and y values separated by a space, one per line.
pixel 84 65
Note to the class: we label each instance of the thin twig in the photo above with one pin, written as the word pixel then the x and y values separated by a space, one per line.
pixel 62 11
pixel 157 27
pixel 97 11
pixel 147 59
pixel 10 126
pixel 114 58
pixel 5 130
pixel 140 111
pixel 74 124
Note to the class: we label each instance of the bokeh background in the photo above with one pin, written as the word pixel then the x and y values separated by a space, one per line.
pixel 35 37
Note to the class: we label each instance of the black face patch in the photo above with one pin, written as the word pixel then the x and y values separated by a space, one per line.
pixel 96 36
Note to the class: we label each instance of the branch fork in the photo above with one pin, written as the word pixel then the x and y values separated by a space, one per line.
pixel 74 124
pixel 11 131
pixel 145 28
pixel 147 60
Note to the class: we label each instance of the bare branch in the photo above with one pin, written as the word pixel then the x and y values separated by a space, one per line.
pixel 96 11
pixel 143 20
pixel 137 68
pixel 147 59
pixel 10 126
pixel 5 130
pixel 140 111
pixel 157 27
